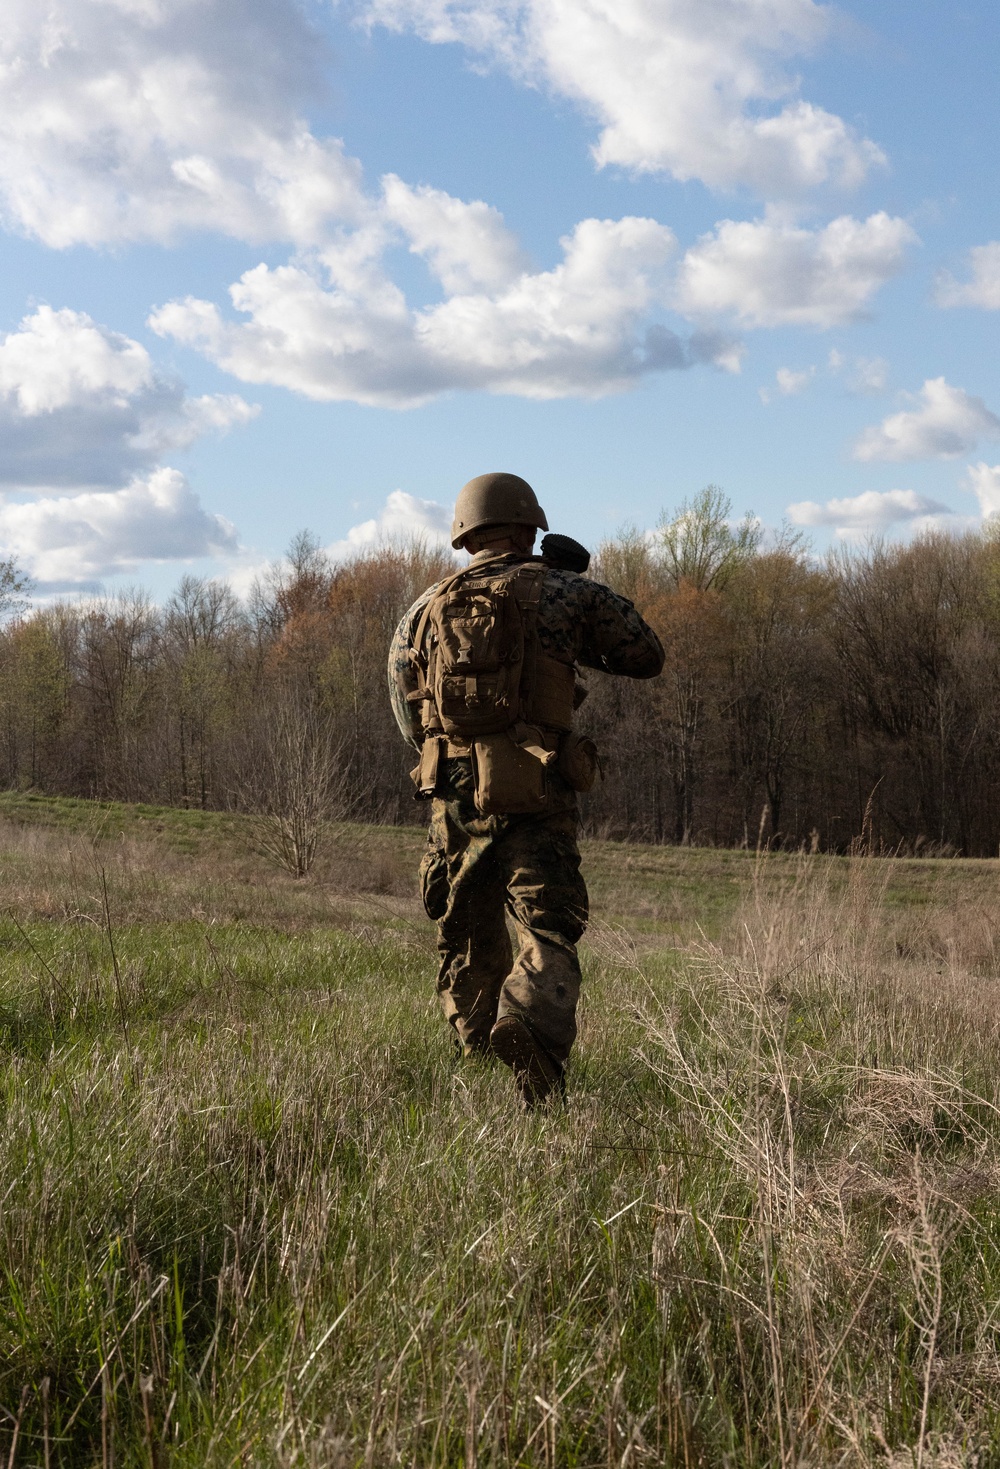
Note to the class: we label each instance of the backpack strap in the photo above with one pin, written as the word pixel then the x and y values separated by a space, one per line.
pixel 526 584
pixel 420 660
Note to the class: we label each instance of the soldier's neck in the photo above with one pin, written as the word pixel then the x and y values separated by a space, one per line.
pixel 491 553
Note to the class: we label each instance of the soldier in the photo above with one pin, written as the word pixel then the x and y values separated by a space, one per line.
pixel 482 675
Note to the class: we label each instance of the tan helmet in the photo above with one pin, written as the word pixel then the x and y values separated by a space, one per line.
pixel 495 499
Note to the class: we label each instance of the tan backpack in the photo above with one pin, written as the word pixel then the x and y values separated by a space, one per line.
pixel 475 648
pixel 483 680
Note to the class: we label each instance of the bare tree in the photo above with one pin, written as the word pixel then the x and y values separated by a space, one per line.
pixel 292 782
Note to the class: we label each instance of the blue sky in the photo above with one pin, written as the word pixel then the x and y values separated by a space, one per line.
pixel 623 249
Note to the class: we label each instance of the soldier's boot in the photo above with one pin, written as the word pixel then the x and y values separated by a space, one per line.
pixel 474 1045
pixel 535 1072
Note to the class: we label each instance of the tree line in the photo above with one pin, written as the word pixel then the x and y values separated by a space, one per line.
pixel 854 699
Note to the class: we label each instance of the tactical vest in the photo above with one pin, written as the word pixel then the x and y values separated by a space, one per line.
pixel 482 674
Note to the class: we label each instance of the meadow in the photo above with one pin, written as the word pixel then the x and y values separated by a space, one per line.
pixel 253 1211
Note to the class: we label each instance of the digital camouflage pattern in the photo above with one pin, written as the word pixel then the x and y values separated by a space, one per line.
pixel 478 869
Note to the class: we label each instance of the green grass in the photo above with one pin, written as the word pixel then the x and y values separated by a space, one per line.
pixel 253 1212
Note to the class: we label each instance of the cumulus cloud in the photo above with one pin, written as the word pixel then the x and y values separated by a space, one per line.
pixel 82 405
pixel 767 272
pixel 983 287
pixel 791 381
pixel 697 90
pixel 467 246
pixel 71 541
pixel 876 512
pixel 872 512
pixel 946 422
pixel 85 418
pixel 343 330
pixel 402 517
pixel 134 121
pixel 984 481
pixel 143 119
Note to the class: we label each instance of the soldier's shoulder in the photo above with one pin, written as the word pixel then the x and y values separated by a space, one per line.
pixel 581 591
pixel 422 600
pixel 568 586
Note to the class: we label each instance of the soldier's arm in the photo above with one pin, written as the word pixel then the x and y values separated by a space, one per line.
pixel 617 639
pixel 403 678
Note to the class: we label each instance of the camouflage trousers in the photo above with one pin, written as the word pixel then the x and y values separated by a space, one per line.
pixel 477 870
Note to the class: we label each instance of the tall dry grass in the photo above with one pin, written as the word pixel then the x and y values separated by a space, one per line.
pixel 835 1062
pixel 253 1212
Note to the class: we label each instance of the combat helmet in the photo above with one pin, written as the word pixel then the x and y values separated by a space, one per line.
pixel 495 499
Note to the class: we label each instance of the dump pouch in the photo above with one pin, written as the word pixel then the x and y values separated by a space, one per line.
pixel 509 780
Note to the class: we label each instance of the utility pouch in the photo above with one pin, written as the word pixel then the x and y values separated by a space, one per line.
pixel 434 887
pixel 425 773
pixel 509 780
pixel 579 764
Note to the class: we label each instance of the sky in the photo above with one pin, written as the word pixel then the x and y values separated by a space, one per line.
pixel 273 265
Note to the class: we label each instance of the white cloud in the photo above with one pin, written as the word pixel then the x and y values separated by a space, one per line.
pixel 984 287
pixel 467 246
pixel 85 417
pixel 769 273
pixel 141 119
pixel 791 381
pixel 82 405
pixel 694 88
pixel 74 540
pixel 402 517
pixel 872 512
pixel 343 330
pixel 867 376
pixel 984 481
pixel 947 422
pixel 871 374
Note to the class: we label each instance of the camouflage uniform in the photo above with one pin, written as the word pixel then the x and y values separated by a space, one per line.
pixel 477 869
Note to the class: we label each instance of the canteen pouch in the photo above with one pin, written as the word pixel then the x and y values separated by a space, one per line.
pixel 425 773
pixel 579 764
pixel 509 780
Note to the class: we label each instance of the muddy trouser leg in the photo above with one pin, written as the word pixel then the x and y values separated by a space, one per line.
pixel 464 890
pixel 547 898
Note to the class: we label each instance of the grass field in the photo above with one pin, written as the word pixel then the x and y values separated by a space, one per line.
pixel 253 1212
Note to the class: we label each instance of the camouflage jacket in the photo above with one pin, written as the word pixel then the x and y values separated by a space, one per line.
pixel 579 621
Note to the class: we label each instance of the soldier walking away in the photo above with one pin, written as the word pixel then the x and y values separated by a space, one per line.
pixel 484 685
